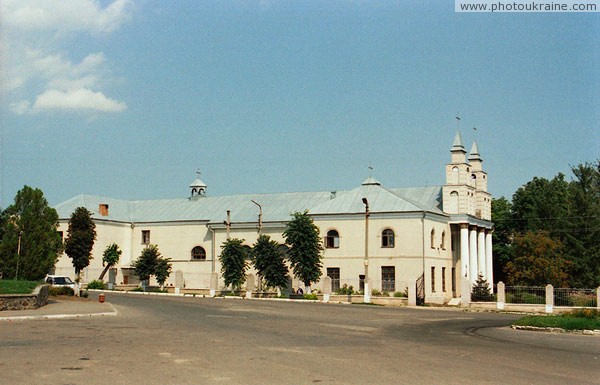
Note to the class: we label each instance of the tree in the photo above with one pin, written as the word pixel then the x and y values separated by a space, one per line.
pixel 541 204
pixel 145 265
pixel 582 237
pixel 268 258
pixel 41 244
pixel 151 263
pixel 538 261
pixel 81 235
pixel 481 291
pixel 502 236
pixel 110 257
pixel 162 270
pixel 302 236
pixel 233 262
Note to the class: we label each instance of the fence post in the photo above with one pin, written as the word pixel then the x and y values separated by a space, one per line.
pixel 249 285
pixel 214 283
pixel 598 298
pixel 465 292
pixel 501 296
pixel 412 292
pixel 326 288
pixel 549 298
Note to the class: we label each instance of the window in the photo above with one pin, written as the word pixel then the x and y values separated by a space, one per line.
pixel 361 283
pixel 433 279
pixel 198 253
pixel 334 274
pixel 453 281
pixel 443 240
pixel 432 240
pixel 332 240
pixel 388 278
pixel 145 237
pixel 444 279
pixel 387 238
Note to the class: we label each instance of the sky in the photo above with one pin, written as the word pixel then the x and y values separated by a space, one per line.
pixel 129 99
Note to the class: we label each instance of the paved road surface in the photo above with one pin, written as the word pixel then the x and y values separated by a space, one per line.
pixel 157 340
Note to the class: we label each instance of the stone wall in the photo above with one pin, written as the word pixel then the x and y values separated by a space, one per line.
pixel 38 299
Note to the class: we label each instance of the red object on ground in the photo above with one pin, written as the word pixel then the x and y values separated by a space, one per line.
pixel 101 298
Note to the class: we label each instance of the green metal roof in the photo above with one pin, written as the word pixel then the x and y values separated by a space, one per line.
pixel 276 207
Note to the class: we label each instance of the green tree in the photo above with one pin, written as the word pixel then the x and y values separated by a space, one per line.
pixel 145 265
pixel 302 236
pixel 268 258
pixel 81 235
pixel 233 262
pixel 502 236
pixel 538 261
pixel 582 237
pixel 481 291
pixel 110 257
pixel 41 244
pixel 542 204
pixel 162 270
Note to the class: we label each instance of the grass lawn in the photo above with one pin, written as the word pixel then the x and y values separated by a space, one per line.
pixel 588 319
pixel 10 286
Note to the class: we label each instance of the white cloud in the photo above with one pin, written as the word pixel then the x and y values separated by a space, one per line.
pixel 65 15
pixel 82 99
pixel 37 36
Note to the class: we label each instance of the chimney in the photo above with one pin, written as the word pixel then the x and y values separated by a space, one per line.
pixel 103 209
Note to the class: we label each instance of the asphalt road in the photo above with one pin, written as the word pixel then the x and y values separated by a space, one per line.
pixel 157 340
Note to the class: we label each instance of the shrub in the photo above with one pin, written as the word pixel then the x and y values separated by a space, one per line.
pixel 481 291
pixel 84 294
pixel 345 290
pixel 582 313
pixel 60 290
pixel 375 292
pixel 401 294
pixel 96 284
pixel 311 296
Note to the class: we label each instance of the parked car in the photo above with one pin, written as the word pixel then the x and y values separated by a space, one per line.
pixel 60 280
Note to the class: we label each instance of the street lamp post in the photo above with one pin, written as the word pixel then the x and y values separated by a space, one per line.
pixel 367 295
pixel 259 216
pixel 18 255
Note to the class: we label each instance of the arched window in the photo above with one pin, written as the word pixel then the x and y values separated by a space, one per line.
pixel 332 240
pixel 198 253
pixel 432 239
pixel 443 240
pixel 454 179
pixel 387 238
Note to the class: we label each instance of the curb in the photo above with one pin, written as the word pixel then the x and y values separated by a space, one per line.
pixel 59 316
pixel 555 330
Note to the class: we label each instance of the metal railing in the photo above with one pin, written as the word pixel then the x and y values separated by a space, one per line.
pixel 526 294
pixel 575 297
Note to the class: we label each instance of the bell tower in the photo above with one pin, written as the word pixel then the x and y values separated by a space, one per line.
pixel 198 188
pixel 459 190
pixel 483 200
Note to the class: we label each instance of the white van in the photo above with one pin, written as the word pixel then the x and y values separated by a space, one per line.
pixel 60 280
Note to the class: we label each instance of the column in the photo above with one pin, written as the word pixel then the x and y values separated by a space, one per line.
pixel 464 250
pixel 489 261
pixel 481 253
pixel 473 255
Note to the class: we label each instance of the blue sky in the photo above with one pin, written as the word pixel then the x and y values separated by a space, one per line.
pixel 127 99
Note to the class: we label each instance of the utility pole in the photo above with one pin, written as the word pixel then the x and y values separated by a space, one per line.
pixel 367 294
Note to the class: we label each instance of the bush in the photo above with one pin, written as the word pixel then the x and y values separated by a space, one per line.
pixel 375 292
pixel 84 294
pixel 345 290
pixel 481 291
pixel 582 313
pixel 96 284
pixel 401 294
pixel 60 290
pixel 311 296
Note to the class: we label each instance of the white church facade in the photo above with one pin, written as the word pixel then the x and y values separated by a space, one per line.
pixel 439 236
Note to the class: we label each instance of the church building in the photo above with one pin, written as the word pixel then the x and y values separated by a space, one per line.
pixel 437 237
